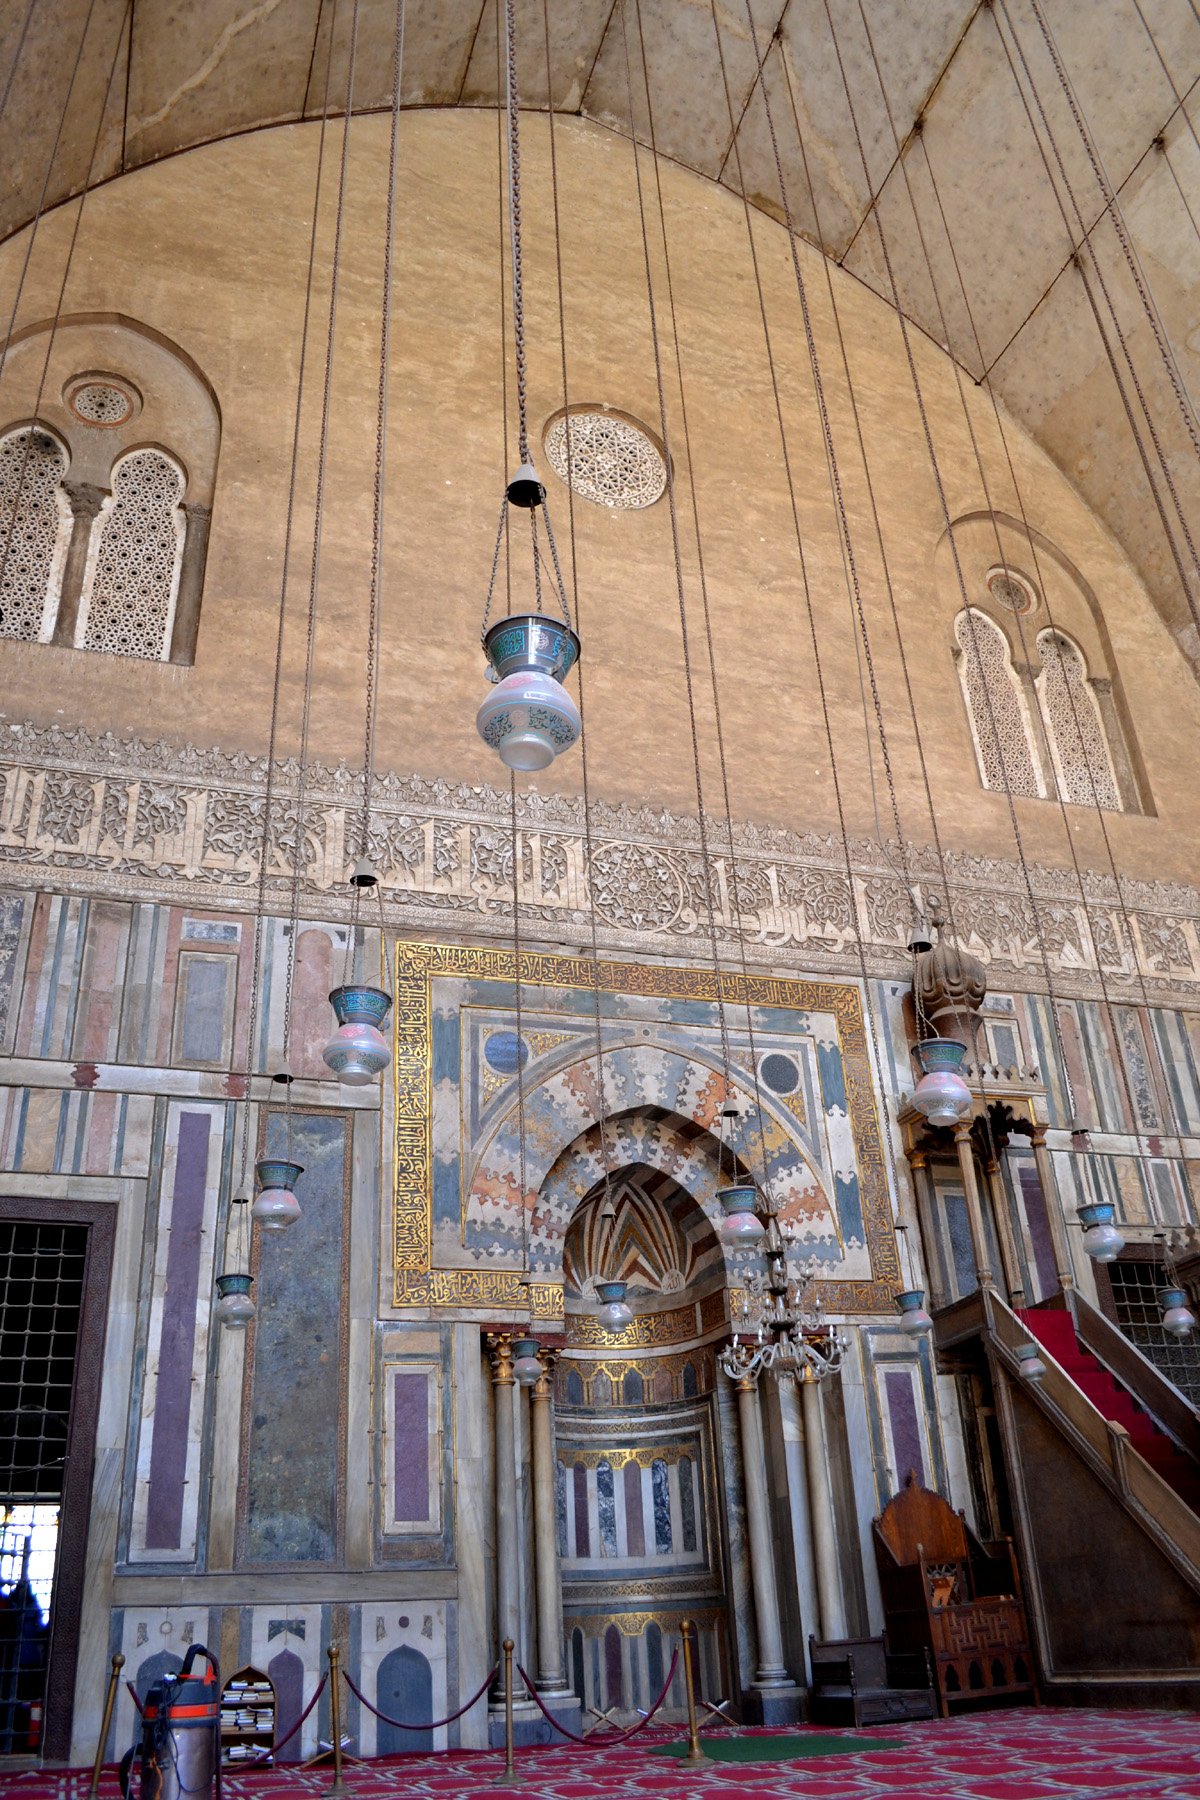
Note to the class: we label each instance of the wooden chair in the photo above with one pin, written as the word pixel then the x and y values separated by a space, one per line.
pixel 945 1593
pixel 862 1681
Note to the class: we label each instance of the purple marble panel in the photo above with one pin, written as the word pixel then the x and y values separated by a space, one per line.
pixel 906 1431
pixel 411 1409
pixel 1039 1232
pixel 173 1390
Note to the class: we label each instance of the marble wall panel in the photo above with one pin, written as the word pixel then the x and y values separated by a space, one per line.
pixel 294 1413
pixel 166 1484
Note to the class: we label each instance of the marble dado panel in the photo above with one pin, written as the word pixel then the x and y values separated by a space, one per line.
pixel 149 820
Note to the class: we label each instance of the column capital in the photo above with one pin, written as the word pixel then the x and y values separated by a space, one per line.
pixel 1037 1136
pixel 917 1156
pixel 962 1130
pixel 543 1387
pixel 194 510
pixel 499 1348
pixel 85 497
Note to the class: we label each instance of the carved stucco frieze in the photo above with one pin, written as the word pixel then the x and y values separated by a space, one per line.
pixel 155 820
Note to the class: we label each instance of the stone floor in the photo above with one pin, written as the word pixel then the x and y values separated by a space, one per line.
pixel 1019 1755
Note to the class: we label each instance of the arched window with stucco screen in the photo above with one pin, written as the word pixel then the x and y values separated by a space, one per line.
pixel 131 585
pixel 999 719
pixel 115 507
pixel 1082 764
pixel 35 531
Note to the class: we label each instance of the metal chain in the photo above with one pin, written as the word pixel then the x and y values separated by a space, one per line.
pixel 1180 99
pixel 512 108
pixel 1044 588
pixel 51 336
pixel 8 80
pixel 948 525
pixel 602 1106
pixel 379 492
pixel 277 682
pixel 315 565
pixel 45 188
pixel 677 555
pixel 1183 398
pixel 810 610
pixel 735 903
pixel 1085 240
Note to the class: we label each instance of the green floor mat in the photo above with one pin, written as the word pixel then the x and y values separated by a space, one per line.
pixel 769 1748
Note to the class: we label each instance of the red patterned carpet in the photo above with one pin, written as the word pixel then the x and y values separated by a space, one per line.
pixel 1025 1755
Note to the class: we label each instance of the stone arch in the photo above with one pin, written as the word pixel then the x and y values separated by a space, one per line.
pixel 163 1662
pixel 403 1690
pixel 287 1674
pixel 662 1107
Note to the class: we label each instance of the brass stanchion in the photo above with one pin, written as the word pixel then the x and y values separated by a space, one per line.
pixel 110 1700
pixel 337 1786
pixel 694 1753
pixel 509 1777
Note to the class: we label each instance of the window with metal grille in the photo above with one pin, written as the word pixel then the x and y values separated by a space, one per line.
pixel 41 1295
pixel 1135 1288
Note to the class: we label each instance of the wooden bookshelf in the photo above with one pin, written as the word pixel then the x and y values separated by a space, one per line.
pixel 247 1717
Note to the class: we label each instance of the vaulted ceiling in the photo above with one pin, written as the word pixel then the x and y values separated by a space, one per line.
pixel 929 143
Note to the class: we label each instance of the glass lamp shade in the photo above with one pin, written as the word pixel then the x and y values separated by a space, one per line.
pixel 1177 1316
pixel 526 1367
pixel 913 1316
pixel 614 1312
pixel 234 1307
pixel 741 1224
pixel 1101 1239
pixel 275 1205
pixel 358 1050
pixel 941 1093
pixel 528 719
pixel 1030 1366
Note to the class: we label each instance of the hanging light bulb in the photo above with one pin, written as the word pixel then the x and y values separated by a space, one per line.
pixel 527 1367
pixel 1030 1366
pixel 913 1317
pixel 234 1308
pixel 941 1093
pixel 1177 1316
pixel 275 1205
pixel 358 1050
pixel 614 1312
pixel 1101 1239
pixel 741 1223
pixel 529 718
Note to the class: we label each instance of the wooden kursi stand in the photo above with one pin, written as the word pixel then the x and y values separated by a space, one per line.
pixel 945 1592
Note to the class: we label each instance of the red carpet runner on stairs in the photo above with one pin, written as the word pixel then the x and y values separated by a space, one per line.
pixel 1055 1330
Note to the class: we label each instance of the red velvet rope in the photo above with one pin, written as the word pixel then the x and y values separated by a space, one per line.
pixel 595 1741
pixel 133 1695
pixel 267 1755
pixel 434 1724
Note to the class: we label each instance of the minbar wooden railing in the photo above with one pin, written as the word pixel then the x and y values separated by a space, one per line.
pixel 1103 1443
pixel 1168 1408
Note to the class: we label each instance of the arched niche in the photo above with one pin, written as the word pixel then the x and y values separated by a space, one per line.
pixel 661 1107
pixel 991 550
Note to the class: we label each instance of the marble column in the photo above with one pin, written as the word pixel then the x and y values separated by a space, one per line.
pixel 1054 1215
pixel 551 1670
pixel 820 1507
pixel 508 1546
pixel 966 1164
pixel 86 500
pixel 186 621
pixel 1014 1281
pixel 771 1671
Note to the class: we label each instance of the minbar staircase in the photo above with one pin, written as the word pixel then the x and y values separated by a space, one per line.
pixel 1055 1332
pixel 1102 1467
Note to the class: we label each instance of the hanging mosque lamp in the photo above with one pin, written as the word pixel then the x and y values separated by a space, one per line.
pixel 529 717
pixel 275 1205
pixel 235 1305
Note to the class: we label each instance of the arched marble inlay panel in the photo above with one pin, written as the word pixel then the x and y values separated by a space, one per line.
pixel 662 1109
